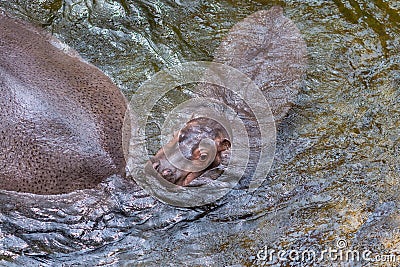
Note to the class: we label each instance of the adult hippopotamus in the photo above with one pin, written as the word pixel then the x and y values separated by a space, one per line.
pixel 60 118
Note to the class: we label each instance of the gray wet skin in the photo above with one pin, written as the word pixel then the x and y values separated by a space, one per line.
pixel 60 119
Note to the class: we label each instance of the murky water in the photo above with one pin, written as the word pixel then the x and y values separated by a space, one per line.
pixel 336 173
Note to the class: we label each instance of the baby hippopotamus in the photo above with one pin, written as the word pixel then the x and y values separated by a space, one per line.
pixel 189 140
pixel 266 47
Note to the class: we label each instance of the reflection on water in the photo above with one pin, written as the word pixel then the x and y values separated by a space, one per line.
pixel 337 165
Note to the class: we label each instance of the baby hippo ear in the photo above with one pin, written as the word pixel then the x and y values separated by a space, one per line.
pixel 224 144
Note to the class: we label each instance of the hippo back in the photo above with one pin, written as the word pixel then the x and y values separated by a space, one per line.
pixel 60 119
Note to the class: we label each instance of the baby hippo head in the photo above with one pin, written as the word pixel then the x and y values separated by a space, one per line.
pixel 194 149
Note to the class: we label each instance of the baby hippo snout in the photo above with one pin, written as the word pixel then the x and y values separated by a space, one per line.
pixel 164 168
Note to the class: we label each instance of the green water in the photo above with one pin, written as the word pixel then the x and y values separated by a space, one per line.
pixel 336 173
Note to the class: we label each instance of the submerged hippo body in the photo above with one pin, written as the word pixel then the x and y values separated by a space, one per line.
pixel 60 118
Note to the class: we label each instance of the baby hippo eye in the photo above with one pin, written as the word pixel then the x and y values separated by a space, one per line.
pixel 203 156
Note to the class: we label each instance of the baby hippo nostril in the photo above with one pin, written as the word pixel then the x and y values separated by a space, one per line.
pixel 156 165
pixel 166 173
